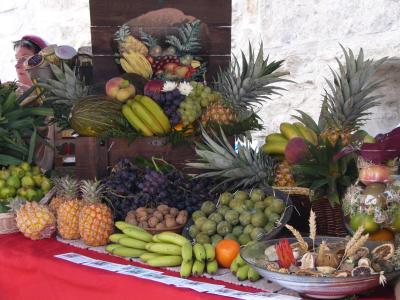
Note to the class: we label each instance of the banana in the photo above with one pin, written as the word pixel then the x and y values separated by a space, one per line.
pixel 132 243
pixel 135 121
pixel 199 252
pixel 110 248
pixel 157 111
pixel 147 117
pixel 173 238
pixel 164 248
pixel 116 237
pixel 187 252
pixel 138 234
pixel 304 132
pixel 122 225
pixel 252 275
pixel 126 66
pixel 146 256
pixel 165 261
pixel 240 261
pixel 313 135
pixel 212 267
pixel 139 64
pixel 234 266
pixel 242 272
pixel 210 252
pixel 275 137
pixel 186 268
pixel 156 239
pixel 198 267
pixel 274 148
pixel 128 252
pixel 289 131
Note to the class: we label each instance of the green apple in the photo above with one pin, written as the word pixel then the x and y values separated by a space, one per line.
pixel 14 182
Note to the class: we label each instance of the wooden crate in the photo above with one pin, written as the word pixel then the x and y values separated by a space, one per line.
pixel 107 16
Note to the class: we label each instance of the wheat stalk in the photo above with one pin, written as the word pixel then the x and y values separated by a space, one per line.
pixel 357 235
pixel 357 245
pixel 313 227
pixel 299 238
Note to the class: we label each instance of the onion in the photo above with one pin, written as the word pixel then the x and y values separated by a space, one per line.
pixel 375 173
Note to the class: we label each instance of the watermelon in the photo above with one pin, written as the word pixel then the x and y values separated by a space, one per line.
pixel 93 115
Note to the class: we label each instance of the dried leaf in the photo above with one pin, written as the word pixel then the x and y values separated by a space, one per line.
pixel 313 226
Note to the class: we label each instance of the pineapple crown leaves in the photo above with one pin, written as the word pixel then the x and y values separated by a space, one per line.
pixel 249 85
pixel 148 39
pixel 92 191
pixel 15 204
pixel 243 168
pixel 122 33
pixel 325 174
pixel 188 39
pixel 349 97
pixel 66 88
pixel 67 187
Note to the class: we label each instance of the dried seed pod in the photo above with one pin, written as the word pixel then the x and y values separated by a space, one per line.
pixel 307 261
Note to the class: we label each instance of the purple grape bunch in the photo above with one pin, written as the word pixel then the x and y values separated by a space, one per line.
pixel 170 102
pixel 153 182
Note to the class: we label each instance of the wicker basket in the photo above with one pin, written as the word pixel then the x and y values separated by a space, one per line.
pixel 7 223
pixel 176 229
pixel 330 220
pixel 293 190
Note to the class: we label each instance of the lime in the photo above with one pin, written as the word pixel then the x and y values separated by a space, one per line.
pixel 225 198
pixel 45 185
pixel 38 179
pixel 14 181
pixel 25 166
pixel 268 201
pixel 30 194
pixel 241 195
pixel 18 172
pixel 27 181
pixel 277 206
pixel 22 192
pixel 257 195
pixel 4 174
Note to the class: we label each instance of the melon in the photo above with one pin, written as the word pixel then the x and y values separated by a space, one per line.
pixel 93 115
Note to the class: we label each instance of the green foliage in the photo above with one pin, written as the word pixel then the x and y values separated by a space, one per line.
pixel 18 126
pixel 325 172
pixel 188 40
pixel 147 39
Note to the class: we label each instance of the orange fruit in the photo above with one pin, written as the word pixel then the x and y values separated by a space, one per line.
pixel 383 234
pixel 226 251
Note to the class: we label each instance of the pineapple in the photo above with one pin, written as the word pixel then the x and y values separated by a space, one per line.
pixel 218 113
pixel 283 175
pixel 35 221
pixel 244 87
pixel 66 189
pixel 244 168
pixel 69 209
pixel 345 107
pixel 127 43
pixel 57 199
pixel 95 220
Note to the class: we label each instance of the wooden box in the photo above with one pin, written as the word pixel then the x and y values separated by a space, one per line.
pixel 107 16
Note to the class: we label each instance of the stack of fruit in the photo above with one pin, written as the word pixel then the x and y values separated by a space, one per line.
pixel 288 147
pixel 161 218
pixel 130 187
pixel 243 271
pixel 240 216
pixel 146 57
pixel 24 181
pixel 72 216
pixel 374 203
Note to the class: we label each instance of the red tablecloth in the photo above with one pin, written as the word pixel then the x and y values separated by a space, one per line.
pixel 29 270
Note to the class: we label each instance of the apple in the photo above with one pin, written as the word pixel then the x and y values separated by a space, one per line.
pixel 181 71
pixel 120 89
pixel 170 67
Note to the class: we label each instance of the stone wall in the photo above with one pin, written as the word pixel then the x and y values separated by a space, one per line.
pixel 306 34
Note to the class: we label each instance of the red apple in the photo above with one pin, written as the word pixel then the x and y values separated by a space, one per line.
pixel 120 89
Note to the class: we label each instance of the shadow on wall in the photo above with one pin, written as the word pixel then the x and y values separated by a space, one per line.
pixel 386 116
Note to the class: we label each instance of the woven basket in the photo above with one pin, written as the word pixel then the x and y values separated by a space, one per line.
pixel 330 220
pixel 7 223
pixel 293 190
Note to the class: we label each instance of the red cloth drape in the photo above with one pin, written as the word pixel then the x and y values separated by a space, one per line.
pixel 29 270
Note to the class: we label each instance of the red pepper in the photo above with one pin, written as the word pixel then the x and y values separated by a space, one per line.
pixel 285 254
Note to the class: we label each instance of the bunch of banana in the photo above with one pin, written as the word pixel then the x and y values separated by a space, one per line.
pixel 197 259
pixel 136 62
pixel 243 271
pixel 275 143
pixel 146 116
